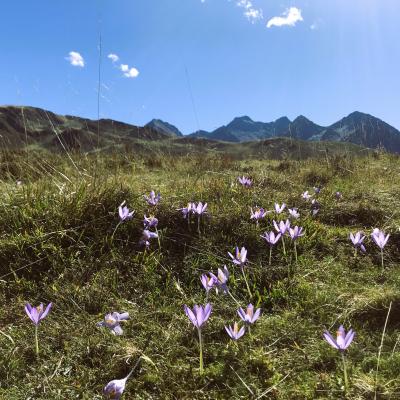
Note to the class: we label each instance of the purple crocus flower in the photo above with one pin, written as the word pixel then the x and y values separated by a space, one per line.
pixel 271 238
pixel 200 208
pixel 36 314
pixel 246 182
pixel 208 281
pixel 296 232
pixel 283 227
pixel 240 256
pixel 358 240
pixel 234 331
pixel 187 210
pixel 115 388
pixel 315 207
pixel 150 222
pixel 146 236
pixel 124 213
pixel 306 196
pixel 199 315
pixel 379 238
pixel 249 316
pixel 112 322
pixel 317 189
pixel 278 208
pixel 294 213
pixel 221 280
pixel 338 195
pixel 342 341
pixel 153 200
pixel 258 214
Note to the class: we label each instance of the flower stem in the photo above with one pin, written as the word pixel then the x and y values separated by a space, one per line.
pixel 346 380
pixel 201 352
pixel 233 298
pixel 283 244
pixel 295 251
pixel 270 254
pixel 36 341
pixel 247 283
pixel 158 239
pixel 115 230
pixel 198 225
pixel 382 260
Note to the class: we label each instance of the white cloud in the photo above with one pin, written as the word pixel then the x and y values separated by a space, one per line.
pixel 129 72
pixel 251 13
pixel 113 57
pixel 75 59
pixel 289 18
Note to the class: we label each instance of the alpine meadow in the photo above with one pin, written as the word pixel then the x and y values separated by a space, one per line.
pixel 157 242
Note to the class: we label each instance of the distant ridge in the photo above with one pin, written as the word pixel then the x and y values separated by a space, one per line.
pixel 31 126
pixel 163 127
pixel 358 128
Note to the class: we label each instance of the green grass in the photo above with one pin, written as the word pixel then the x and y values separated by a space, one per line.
pixel 55 245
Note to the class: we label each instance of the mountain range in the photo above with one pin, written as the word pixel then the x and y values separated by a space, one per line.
pixel 30 126
pixel 358 128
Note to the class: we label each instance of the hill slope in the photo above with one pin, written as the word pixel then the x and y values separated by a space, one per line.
pixel 358 128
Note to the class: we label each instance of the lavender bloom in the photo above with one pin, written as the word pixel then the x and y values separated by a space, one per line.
pixel 294 213
pixel 342 341
pixel 146 236
pixel 150 222
pixel 246 182
pixel 240 257
pixel 379 238
pixel 234 331
pixel 200 208
pixel 249 316
pixel 199 315
pixel 306 196
pixel 357 240
pixel 258 213
pixel 296 232
pixel 112 322
pixel 124 213
pixel 36 314
pixel 278 208
pixel 338 195
pixel 208 282
pixel 187 210
pixel 282 227
pixel 314 207
pixel 114 389
pixel 153 200
pixel 222 279
pixel 271 238
pixel 317 189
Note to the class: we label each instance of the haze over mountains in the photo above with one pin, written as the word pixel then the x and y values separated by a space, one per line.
pixel 30 126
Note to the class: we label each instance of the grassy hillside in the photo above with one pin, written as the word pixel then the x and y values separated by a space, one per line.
pixel 60 242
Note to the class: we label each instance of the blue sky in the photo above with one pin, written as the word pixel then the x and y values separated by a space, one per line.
pixel 198 64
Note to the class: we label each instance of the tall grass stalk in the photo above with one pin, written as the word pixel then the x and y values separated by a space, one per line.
pixel 380 351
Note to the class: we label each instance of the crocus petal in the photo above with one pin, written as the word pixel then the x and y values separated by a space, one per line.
pixel 123 316
pixel 190 314
pixel 46 311
pixel 328 337
pixel 256 315
pixel 242 314
pixel 349 338
pixel 117 330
